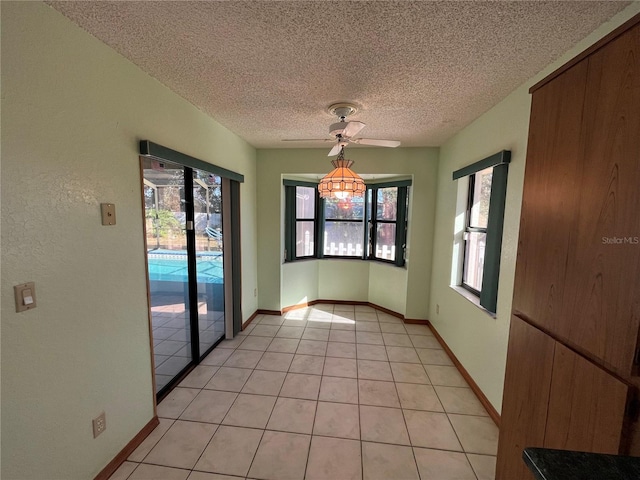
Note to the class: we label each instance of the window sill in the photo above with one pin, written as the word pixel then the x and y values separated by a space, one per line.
pixel 474 299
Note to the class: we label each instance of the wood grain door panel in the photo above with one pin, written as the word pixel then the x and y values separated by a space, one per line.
pixel 550 198
pixel 601 312
pixel 526 394
pixel 586 406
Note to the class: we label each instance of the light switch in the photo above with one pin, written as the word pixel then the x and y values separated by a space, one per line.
pixel 25 295
pixel 108 213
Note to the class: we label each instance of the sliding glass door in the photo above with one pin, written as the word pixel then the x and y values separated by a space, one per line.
pixel 185 257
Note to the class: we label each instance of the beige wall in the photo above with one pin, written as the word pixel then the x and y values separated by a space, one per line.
pixel 477 339
pixel 280 284
pixel 73 112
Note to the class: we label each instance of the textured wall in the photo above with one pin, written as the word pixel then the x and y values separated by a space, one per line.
pixel 73 111
pixel 420 163
pixel 478 340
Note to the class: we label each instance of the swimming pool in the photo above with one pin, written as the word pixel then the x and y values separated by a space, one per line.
pixel 168 274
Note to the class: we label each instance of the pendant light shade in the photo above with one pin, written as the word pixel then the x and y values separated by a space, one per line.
pixel 341 182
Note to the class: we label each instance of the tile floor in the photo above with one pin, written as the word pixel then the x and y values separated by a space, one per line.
pixel 332 392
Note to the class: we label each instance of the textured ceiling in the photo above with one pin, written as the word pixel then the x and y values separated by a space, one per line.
pixel 419 71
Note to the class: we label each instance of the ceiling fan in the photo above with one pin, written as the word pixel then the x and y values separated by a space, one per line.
pixel 344 132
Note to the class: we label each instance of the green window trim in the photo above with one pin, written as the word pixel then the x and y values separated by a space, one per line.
pixel 495 223
pixel 319 223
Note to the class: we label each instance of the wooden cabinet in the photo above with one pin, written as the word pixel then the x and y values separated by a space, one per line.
pixel 571 378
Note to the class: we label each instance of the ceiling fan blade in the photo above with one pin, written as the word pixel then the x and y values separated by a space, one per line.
pixel 308 140
pixel 352 129
pixel 335 150
pixel 376 143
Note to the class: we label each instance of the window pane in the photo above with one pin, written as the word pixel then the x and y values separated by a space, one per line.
pixel 474 259
pixel 480 202
pixel 343 238
pixel 305 202
pixel 387 203
pixel 304 239
pixel 350 208
pixel 386 241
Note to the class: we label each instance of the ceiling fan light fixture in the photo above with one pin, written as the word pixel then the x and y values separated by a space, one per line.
pixel 341 182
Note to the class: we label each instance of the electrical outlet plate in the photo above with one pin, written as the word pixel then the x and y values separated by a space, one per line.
pixel 99 424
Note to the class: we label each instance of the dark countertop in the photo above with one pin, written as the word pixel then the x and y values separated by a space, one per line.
pixel 548 464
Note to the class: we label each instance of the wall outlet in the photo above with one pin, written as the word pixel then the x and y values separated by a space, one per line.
pixel 437 309
pixel 99 424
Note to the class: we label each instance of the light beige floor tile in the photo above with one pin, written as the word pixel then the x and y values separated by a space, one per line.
pixel 297 314
pixel 343 324
pixel 293 415
pixel 396 339
pixel 334 458
pixel 334 389
pixel 431 430
pixel 123 471
pixel 231 343
pixel 295 322
pixel 265 330
pixel 174 404
pixel 272 320
pixel 432 356
pixel 414 329
pixel 231 451
pixel 386 462
pixel 154 472
pixel 300 385
pixel 371 352
pixel 199 376
pixel 418 397
pixel 257 343
pixel 251 411
pixel 275 361
pixel 337 420
pixel 425 341
pixel 383 318
pixel 323 307
pixel 209 406
pixel 229 379
pixel 342 336
pixel 367 316
pixel 369 338
pixel 483 465
pixel 182 445
pixel 409 373
pixel 477 434
pixel 374 370
pixel 460 400
pixel 402 354
pixel 316 314
pixel 263 382
pixel 281 456
pixel 290 332
pixel 324 323
pixel 443 465
pixel 342 350
pixel 445 375
pixel 148 443
pixel 383 394
pixel 209 476
pixel 243 359
pixel 283 345
pixel 344 308
pixel 217 357
pixel 312 347
pixel 382 424
pixel 310 364
pixel 340 367
pixel 392 328
pixel 367 327
pixel 321 334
